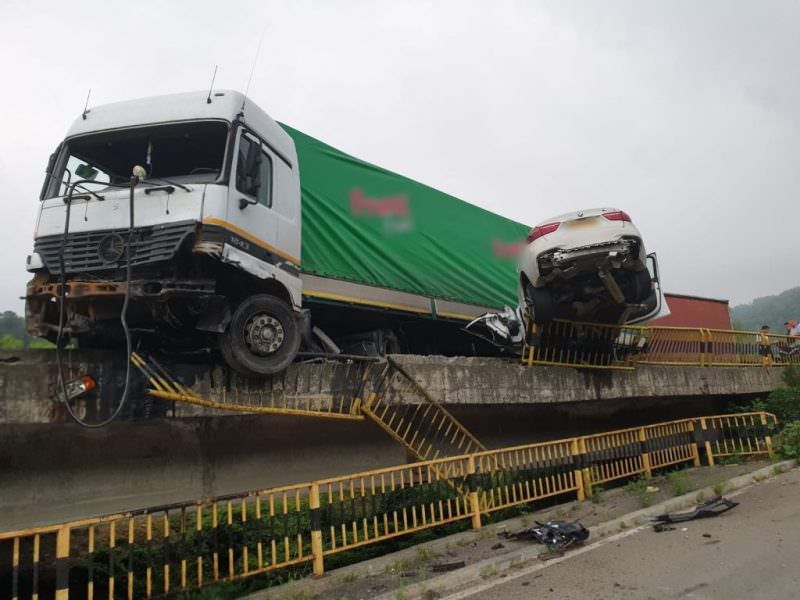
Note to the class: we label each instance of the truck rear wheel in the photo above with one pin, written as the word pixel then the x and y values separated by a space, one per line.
pixel 262 337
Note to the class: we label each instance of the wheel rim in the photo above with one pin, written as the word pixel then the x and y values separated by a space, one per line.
pixel 263 334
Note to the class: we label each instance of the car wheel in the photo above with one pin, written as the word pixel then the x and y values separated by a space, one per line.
pixel 640 286
pixel 262 337
pixel 542 306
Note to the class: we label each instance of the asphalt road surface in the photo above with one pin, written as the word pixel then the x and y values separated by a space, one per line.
pixel 751 552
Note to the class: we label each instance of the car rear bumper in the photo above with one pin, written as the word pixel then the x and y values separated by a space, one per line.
pixel 568 263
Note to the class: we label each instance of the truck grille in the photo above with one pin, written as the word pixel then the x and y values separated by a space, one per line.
pixel 104 250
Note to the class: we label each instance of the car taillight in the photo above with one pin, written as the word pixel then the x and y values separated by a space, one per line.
pixel 617 215
pixel 541 230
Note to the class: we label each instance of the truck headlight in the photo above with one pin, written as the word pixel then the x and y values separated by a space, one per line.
pixel 76 388
pixel 34 262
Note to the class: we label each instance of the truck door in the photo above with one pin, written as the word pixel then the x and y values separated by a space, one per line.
pixel 251 219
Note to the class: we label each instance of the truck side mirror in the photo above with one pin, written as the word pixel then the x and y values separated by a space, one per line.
pixel 245 202
pixel 51 163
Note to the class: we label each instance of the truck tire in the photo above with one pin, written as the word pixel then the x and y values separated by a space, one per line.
pixel 262 337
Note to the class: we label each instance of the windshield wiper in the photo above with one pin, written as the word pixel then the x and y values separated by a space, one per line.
pixel 150 181
pixel 87 190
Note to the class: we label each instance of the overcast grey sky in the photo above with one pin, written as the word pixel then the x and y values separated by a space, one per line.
pixel 685 114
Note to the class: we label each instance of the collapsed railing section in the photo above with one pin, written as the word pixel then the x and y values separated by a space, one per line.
pixel 590 345
pixel 339 402
pixel 412 417
pixel 161 550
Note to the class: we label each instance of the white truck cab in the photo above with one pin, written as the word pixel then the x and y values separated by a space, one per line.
pixel 218 187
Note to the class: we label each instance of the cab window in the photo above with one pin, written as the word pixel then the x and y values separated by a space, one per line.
pixel 254 171
pixel 93 176
pixel 190 152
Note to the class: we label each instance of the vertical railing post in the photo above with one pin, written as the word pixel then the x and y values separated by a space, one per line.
pixel 767 437
pixel 577 463
pixel 62 563
pixel 585 468
pixel 704 343
pixel 695 449
pixel 474 504
pixel 648 472
pixel 316 531
pixel 527 348
pixel 709 453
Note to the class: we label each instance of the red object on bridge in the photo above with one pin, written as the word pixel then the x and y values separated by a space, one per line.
pixel 693 311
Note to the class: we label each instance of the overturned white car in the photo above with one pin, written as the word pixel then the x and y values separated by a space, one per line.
pixel 587 266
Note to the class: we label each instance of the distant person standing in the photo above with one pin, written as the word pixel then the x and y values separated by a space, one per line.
pixel 764 349
pixel 795 328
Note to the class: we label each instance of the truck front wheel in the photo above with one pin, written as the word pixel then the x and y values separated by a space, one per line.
pixel 262 337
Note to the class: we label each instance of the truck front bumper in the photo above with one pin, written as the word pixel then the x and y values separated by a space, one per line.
pixel 90 302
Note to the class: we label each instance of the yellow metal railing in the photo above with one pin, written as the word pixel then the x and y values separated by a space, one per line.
pixel 672 346
pixel 255 399
pixel 750 348
pixel 377 505
pixel 742 434
pixel 523 474
pixel 587 345
pixel 162 550
pixel 156 551
pixel 410 415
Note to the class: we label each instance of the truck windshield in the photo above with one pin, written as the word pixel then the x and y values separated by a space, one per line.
pixel 185 152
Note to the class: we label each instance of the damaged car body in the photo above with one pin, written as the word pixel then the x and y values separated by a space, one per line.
pixel 589 266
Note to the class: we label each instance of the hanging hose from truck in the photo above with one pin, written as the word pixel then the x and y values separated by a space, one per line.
pixel 123 316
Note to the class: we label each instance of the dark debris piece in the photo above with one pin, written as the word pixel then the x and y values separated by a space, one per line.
pixel 711 508
pixel 451 566
pixel 556 535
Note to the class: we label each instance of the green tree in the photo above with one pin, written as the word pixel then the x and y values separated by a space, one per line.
pixel 769 310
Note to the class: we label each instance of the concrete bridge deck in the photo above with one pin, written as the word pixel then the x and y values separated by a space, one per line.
pixel 28 380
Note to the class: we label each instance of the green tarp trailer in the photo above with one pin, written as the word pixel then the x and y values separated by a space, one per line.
pixel 375 237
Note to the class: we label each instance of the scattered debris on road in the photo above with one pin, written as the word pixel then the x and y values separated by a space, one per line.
pixel 711 508
pixel 556 535
pixel 444 567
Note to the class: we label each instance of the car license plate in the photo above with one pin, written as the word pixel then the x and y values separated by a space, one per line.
pixel 579 223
